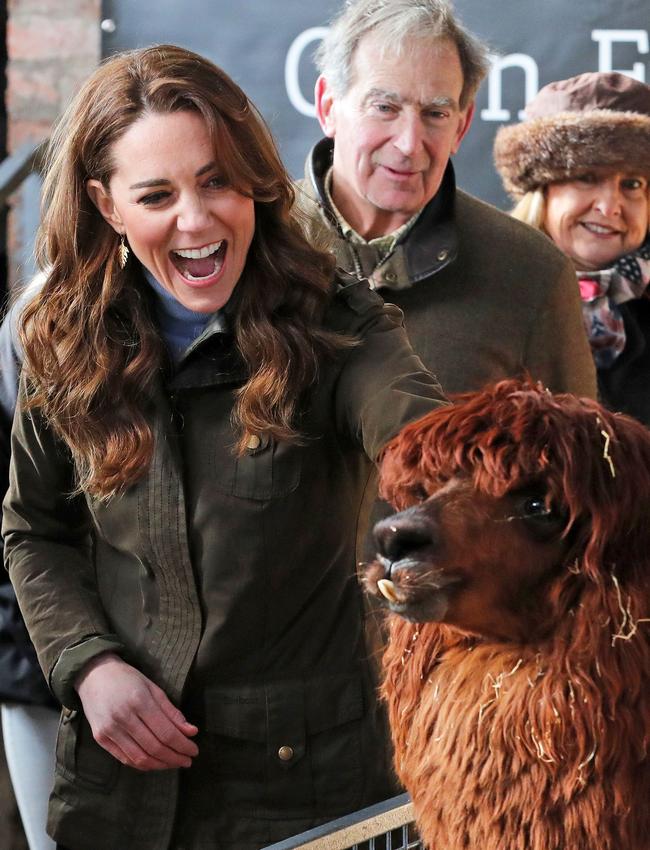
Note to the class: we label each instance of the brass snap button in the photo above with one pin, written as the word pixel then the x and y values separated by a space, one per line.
pixel 285 753
pixel 390 276
pixel 253 442
pixel 442 255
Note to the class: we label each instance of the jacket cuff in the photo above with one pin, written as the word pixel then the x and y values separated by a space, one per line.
pixel 73 660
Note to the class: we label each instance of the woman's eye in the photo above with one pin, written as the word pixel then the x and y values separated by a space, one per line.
pixel 633 183
pixel 216 182
pixel 154 198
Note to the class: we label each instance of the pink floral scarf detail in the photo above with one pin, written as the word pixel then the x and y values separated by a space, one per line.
pixel 601 293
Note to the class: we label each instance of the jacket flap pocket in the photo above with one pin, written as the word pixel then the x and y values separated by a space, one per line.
pixel 333 701
pixel 237 711
pixel 283 713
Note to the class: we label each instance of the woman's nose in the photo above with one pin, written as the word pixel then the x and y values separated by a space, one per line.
pixel 192 215
pixel 609 199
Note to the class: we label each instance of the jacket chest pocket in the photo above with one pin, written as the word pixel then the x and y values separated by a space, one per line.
pixel 267 470
pixel 287 749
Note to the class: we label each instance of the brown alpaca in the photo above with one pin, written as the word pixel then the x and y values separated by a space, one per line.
pixel 519 692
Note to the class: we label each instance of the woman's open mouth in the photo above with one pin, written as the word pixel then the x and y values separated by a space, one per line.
pixel 200 265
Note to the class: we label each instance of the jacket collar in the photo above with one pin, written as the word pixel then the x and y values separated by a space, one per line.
pixel 429 246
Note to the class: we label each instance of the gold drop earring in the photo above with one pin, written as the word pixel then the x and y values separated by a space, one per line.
pixel 122 252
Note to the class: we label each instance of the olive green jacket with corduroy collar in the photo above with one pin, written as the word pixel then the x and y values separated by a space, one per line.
pixel 231 583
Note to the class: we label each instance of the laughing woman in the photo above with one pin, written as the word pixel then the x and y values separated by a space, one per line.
pixel 203 401
pixel 580 170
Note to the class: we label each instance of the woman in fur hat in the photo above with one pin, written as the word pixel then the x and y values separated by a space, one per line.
pixel 579 167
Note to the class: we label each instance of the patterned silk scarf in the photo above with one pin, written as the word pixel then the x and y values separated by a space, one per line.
pixel 602 292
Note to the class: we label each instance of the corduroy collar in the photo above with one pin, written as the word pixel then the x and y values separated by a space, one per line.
pixel 427 247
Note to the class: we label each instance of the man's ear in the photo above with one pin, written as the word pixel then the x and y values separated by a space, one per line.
pixel 464 123
pixel 325 107
pixel 102 199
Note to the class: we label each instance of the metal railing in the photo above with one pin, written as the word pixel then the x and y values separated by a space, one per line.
pixel 385 826
pixel 21 170
pixel 15 168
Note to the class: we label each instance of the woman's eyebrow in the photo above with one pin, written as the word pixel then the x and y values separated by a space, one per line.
pixel 159 181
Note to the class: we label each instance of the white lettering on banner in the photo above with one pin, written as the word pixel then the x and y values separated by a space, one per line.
pixel 606 38
pixel 292 70
pixel 494 110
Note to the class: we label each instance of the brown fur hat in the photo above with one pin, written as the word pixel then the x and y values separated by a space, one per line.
pixel 594 119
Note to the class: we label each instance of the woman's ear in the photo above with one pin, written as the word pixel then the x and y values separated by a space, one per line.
pixel 101 198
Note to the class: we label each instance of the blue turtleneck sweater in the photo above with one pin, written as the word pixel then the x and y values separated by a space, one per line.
pixel 178 325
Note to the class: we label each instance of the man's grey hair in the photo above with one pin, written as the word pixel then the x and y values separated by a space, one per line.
pixel 396 22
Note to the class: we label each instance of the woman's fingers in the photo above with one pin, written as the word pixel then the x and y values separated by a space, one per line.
pixel 130 754
pixel 175 717
pixel 132 718
pixel 165 739
pixel 138 747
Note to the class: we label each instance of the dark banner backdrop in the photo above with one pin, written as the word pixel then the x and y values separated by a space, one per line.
pixel 267 46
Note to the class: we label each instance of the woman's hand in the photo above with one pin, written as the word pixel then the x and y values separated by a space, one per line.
pixel 132 718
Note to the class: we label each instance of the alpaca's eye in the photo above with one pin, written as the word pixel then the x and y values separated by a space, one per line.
pixel 536 507
pixel 419 493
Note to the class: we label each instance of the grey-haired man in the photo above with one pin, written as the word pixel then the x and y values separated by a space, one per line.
pixel 483 296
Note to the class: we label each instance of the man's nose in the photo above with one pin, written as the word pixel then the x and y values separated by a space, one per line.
pixel 409 136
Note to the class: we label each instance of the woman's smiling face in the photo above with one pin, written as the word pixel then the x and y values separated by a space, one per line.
pixel 167 196
pixel 598 217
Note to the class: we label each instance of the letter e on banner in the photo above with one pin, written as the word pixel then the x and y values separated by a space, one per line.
pixel 606 38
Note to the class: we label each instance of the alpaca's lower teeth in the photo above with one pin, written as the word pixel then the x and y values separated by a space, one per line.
pixel 387 589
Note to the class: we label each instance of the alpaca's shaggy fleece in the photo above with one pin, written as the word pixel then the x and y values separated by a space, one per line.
pixel 539 743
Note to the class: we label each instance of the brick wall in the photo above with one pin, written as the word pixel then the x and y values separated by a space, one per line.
pixel 52 46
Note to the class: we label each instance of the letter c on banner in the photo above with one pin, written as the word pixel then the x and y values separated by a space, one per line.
pixel 292 70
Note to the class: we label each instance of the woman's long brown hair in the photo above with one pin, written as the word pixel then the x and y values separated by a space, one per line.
pixel 92 349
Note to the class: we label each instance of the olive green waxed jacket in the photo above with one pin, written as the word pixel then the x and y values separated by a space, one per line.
pixel 231 583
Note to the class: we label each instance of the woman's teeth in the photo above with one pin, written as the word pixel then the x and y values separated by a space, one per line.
pixel 601 229
pixel 199 253
pixel 200 263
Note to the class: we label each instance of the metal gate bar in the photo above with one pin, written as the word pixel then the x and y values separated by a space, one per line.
pixel 384 826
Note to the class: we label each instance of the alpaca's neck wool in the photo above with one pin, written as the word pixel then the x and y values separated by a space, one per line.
pixel 513 748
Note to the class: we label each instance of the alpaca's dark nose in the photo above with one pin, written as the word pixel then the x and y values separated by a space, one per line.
pixel 401 536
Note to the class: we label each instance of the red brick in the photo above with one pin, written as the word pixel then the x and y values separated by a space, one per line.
pixel 27 131
pixel 38 38
pixel 56 8
pixel 28 83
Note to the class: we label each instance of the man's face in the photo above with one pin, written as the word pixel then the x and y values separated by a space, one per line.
pixel 394 130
